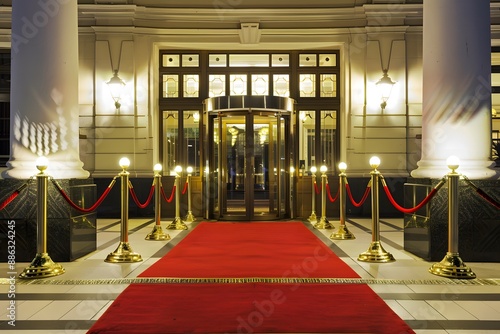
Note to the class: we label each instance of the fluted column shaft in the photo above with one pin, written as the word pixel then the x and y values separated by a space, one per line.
pixel 456 115
pixel 44 89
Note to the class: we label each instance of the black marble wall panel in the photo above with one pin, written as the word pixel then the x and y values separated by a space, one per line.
pixel 111 206
pixel 426 234
pixel 70 233
pixel 168 209
pixel 386 209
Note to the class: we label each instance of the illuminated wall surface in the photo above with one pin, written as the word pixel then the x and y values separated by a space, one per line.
pixel 64 54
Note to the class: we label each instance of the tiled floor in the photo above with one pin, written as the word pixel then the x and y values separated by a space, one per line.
pixel 430 304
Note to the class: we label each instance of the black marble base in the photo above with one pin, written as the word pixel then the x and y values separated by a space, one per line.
pixel 70 233
pixel 426 231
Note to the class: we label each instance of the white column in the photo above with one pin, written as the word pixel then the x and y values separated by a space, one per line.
pixel 456 116
pixel 44 89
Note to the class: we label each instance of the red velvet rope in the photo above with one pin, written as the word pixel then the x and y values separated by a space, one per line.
pixel 363 199
pixel 330 195
pixel 148 200
pixel 316 188
pixel 13 195
pixel 185 188
pixel 9 199
pixel 486 197
pixel 93 207
pixel 410 210
pixel 168 200
pixel 482 193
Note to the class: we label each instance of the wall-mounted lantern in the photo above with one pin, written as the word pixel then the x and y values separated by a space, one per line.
pixel 116 86
pixel 385 85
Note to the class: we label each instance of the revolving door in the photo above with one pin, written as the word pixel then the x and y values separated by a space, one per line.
pixel 248 158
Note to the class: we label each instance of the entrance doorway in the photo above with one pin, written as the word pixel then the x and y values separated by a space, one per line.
pixel 249 161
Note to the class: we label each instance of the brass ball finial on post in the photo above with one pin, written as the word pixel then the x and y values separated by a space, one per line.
pixel 375 252
pixel 42 265
pixel 157 233
pixel 124 252
pixel 452 265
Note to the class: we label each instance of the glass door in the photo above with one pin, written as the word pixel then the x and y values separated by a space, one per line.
pixel 234 165
pixel 248 159
pixel 266 166
pixel 249 165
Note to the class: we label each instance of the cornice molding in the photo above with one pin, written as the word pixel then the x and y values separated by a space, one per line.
pixel 222 17
pixel 164 20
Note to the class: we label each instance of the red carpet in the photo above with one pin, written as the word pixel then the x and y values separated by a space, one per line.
pixel 278 249
pixel 250 250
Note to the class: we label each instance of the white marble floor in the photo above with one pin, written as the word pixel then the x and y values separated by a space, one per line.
pixel 429 304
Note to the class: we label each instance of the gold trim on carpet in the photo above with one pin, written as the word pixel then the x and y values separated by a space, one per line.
pixel 245 280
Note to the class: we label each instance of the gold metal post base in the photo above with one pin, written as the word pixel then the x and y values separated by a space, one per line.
pixel 177 224
pixel 313 218
pixel 323 224
pixel 376 253
pixel 342 234
pixel 157 234
pixel 452 266
pixel 189 217
pixel 42 266
pixel 123 253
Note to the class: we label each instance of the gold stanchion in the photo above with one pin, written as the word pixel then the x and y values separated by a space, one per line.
pixel 42 265
pixel 124 252
pixel 292 194
pixel 323 223
pixel 177 224
pixel 313 218
pixel 157 233
pixel 452 265
pixel 343 233
pixel 375 253
pixel 189 217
